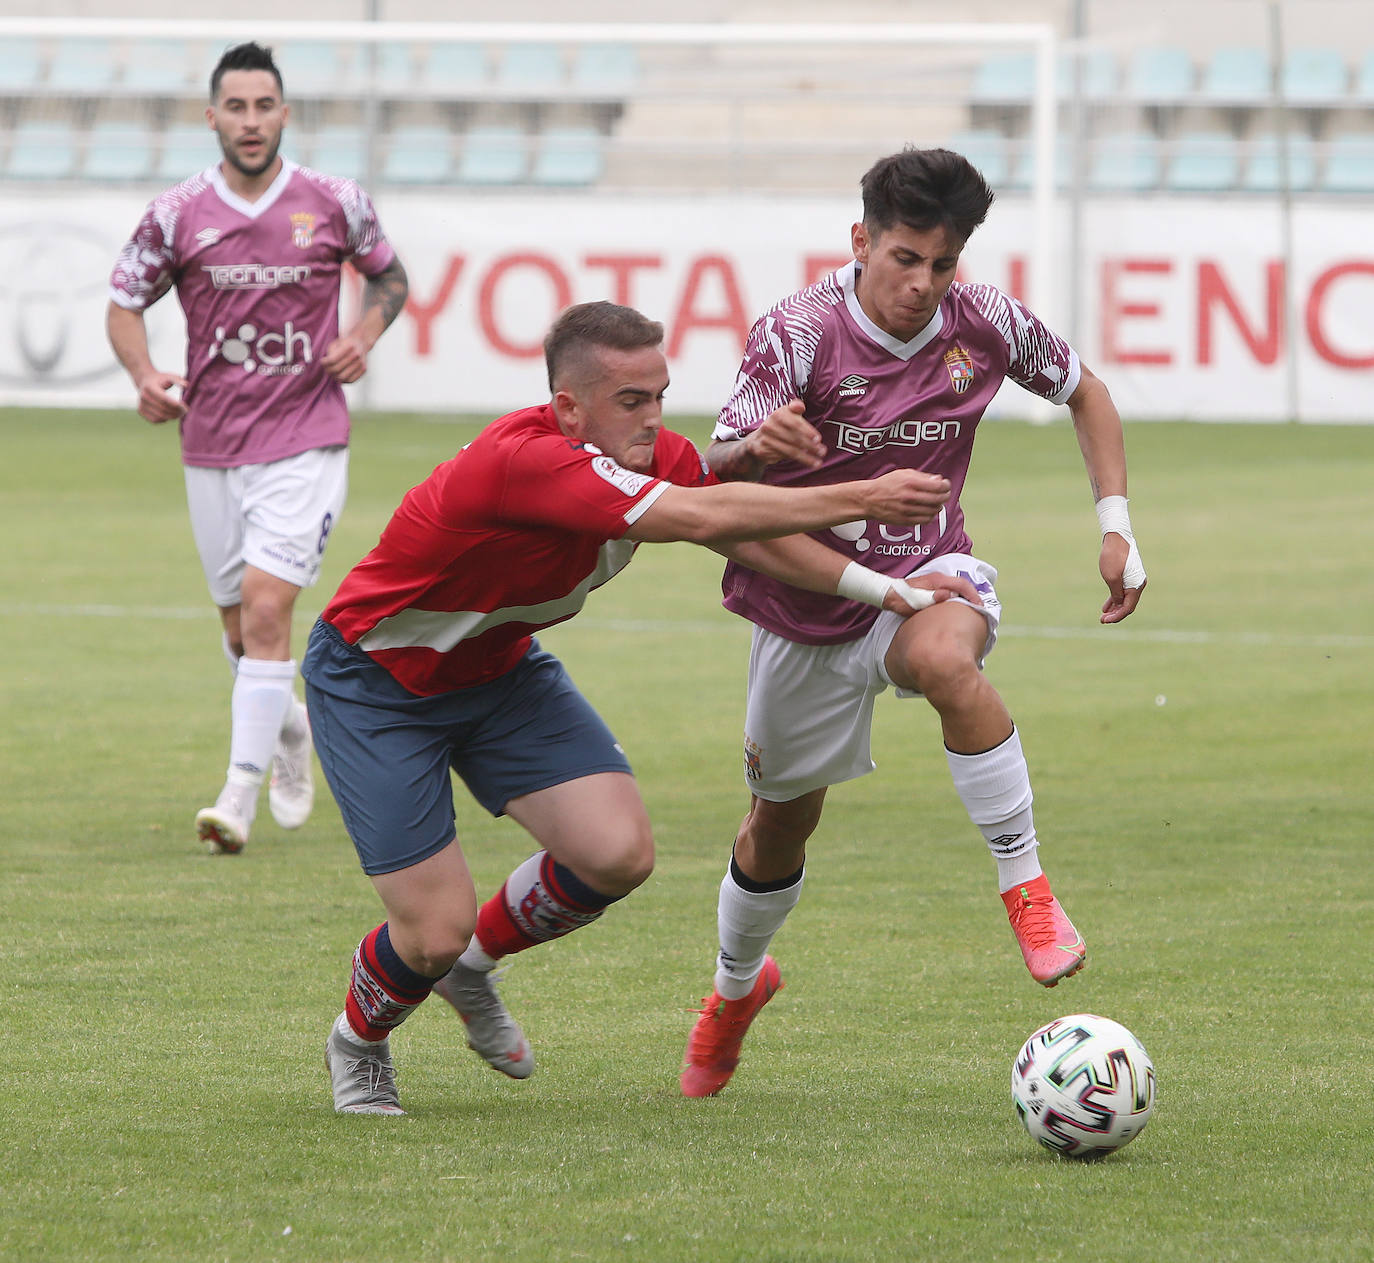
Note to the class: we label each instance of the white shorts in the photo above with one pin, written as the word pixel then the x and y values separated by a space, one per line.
pixel 809 717
pixel 276 517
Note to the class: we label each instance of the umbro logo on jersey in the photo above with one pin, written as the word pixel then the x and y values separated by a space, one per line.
pixel 853 385
pixel 208 236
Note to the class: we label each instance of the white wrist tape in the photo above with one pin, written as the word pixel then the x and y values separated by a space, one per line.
pixel 859 583
pixel 1115 518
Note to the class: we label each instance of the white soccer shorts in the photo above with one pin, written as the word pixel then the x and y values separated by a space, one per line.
pixel 809 717
pixel 276 517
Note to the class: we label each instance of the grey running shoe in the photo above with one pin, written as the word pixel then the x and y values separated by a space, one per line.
pixel 364 1079
pixel 492 1032
pixel 291 793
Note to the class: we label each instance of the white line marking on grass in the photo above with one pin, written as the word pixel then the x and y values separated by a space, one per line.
pixel 1104 635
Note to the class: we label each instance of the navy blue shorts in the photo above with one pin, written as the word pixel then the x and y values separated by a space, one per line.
pixel 387 753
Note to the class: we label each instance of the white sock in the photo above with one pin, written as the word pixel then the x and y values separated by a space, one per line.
pixel 747 921
pixel 262 694
pixel 996 792
pixel 348 1033
pixel 475 957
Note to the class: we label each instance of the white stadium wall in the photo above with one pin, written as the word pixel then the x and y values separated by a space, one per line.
pixel 1182 310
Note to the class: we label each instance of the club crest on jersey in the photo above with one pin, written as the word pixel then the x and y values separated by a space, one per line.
pixel 302 229
pixel 618 476
pixel 753 761
pixel 960 365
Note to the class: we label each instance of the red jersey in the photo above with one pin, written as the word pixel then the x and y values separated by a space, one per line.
pixel 506 538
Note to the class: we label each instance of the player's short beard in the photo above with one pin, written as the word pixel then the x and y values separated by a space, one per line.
pixel 233 160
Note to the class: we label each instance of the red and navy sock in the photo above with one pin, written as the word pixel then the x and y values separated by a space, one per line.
pixel 541 900
pixel 384 990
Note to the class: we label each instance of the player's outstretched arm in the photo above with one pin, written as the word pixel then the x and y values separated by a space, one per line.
pixel 1097 425
pixel 384 296
pixel 129 339
pixel 738 511
pixel 804 562
pixel 784 435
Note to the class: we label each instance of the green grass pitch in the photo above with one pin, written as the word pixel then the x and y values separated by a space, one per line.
pixel 1203 785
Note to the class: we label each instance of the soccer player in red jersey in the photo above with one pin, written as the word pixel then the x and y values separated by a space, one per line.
pixel 255 247
pixel 887 364
pixel 425 660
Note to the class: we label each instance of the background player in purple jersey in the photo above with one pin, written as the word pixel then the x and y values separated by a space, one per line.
pixel 255 247
pixel 425 661
pixel 888 364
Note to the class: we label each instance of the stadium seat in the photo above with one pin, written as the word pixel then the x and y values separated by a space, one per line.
pixel 21 65
pixel 493 155
pixel 310 68
pixel 118 150
pixel 187 148
pixel 569 156
pixel 1160 75
pixel 418 155
pixel 1010 77
pixel 605 70
pixel 157 67
pixel 393 68
pixel 1314 76
pixel 340 150
pixel 1349 164
pixel 989 151
pixel 1364 80
pixel 1203 162
pixel 530 70
pixel 82 67
pixel 42 149
pixel 1264 168
pixel 455 70
pixel 1126 162
pixel 1238 76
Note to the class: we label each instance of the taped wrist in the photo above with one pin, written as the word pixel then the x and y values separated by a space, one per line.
pixel 1114 518
pixel 859 583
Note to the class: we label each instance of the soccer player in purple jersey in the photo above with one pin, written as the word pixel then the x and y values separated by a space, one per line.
pixel 887 364
pixel 255 247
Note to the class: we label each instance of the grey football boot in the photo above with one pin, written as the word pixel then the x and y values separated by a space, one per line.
pixel 492 1033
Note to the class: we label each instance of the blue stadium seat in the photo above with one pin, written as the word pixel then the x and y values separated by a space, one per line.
pixel 1264 166
pixel 1364 79
pixel 455 70
pixel 310 68
pixel 570 156
pixel 531 70
pixel 157 67
pixel 1315 76
pixel 418 155
pixel 393 68
pixel 1238 76
pixel 42 150
pixel 1203 162
pixel 1126 162
pixel 1010 77
pixel 1160 75
pixel 21 65
pixel 1349 164
pixel 340 150
pixel 82 66
pixel 605 70
pixel 493 155
pixel 118 150
pixel 989 151
pixel 187 149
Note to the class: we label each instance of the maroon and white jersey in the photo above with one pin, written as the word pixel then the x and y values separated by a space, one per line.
pixel 259 283
pixel 506 538
pixel 880 405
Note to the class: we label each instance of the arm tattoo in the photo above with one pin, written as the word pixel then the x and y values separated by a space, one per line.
pixel 731 461
pixel 386 292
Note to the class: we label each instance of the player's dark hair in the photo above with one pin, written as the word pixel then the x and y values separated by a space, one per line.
pixel 249 56
pixel 599 324
pixel 924 189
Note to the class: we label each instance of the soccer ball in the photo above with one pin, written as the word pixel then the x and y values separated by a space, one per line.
pixel 1083 1085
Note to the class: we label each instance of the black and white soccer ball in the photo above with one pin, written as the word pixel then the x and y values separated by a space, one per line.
pixel 1083 1085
